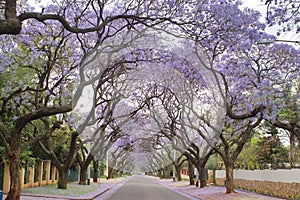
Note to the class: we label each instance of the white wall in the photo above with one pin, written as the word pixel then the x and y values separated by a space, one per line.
pixel 280 175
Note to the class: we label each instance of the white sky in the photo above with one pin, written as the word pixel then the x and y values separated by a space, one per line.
pixel 256 4
pixel 260 6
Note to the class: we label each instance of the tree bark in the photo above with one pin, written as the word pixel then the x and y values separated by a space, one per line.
pixel 200 165
pixel 84 164
pixel 11 24
pixel 110 170
pixel 96 171
pixel 62 178
pixel 82 175
pixel 15 190
pixel 177 168
pixel 229 177
pixel 202 176
pixel 191 172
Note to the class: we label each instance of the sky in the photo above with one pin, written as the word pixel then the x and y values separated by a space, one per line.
pixel 260 6
pixel 257 4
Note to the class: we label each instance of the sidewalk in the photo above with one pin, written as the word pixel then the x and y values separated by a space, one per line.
pixel 211 192
pixel 104 187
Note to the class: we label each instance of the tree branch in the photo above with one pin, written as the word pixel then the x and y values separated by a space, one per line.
pixel 43 112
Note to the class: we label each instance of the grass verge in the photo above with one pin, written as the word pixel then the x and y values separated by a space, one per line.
pixel 73 190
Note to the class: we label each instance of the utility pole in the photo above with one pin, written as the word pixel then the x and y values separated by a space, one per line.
pixel 106 171
pixel 89 167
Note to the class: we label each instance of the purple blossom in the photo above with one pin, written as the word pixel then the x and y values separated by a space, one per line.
pixel 48 92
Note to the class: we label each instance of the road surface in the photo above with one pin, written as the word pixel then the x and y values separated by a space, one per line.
pixel 142 188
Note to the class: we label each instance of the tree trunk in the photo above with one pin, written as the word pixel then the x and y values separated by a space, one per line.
pixel 177 167
pixel 162 173
pixel 229 177
pixel 14 160
pixel 110 170
pixel 82 175
pixel 84 167
pixel 191 172
pixel 62 179
pixel 202 176
pixel 15 191
pixel 96 171
pixel 179 177
pixel 291 153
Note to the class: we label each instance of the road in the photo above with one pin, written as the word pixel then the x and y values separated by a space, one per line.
pixel 142 188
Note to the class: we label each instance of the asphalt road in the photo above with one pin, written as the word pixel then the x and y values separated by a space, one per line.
pixel 142 188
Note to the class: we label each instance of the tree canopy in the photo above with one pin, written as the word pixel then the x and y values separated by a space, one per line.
pixel 133 77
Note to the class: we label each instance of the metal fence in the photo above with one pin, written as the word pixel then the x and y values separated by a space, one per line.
pixel 72 175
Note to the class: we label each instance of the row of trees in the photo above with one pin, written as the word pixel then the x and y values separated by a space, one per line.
pixel 128 78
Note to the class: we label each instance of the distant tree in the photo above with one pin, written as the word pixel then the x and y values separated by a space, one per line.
pixel 248 157
pixel 293 148
pixel 61 146
pixel 288 118
pixel 271 153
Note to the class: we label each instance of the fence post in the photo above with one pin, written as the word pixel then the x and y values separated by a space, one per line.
pixel 40 172
pixel 6 178
pixel 53 174
pixel 47 166
pixel 22 177
pixel 31 176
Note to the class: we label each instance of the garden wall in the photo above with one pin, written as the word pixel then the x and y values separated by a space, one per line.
pixel 281 183
pixel 30 176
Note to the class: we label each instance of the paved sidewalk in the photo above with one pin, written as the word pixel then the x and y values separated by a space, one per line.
pixel 212 192
pixel 104 187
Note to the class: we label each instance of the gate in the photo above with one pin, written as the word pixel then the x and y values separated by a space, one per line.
pixel 72 176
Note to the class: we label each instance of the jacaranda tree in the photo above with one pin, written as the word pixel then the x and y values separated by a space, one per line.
pixel 106 40
pixel 37 67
